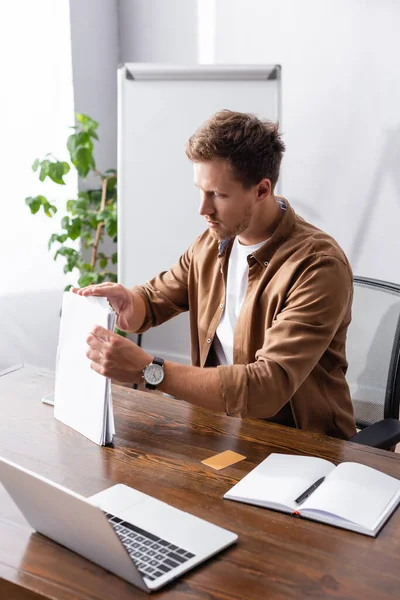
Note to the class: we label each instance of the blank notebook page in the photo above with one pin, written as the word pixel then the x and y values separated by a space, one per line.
pixel 356 493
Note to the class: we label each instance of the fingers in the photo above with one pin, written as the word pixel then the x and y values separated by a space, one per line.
pixel 100 289
pixel 98 337
pixel 94 342
pixel 98 368
pixel 105 289
pixel 101 333
pixel 94 355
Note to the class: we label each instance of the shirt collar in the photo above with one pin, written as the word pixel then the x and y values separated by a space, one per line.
pixel 264 254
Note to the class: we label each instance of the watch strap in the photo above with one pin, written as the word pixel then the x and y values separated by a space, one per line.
pixel 149 386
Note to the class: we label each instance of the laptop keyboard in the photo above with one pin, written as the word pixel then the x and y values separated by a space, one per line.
pixel 152 555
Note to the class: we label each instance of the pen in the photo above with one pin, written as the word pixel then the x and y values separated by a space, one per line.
pixel 309 491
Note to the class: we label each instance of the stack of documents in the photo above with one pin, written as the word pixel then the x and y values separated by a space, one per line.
pixel 83 397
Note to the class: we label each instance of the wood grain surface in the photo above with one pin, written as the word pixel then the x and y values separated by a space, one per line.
pixel 159 445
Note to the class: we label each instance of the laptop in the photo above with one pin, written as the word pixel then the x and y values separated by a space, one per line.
pixel 142 540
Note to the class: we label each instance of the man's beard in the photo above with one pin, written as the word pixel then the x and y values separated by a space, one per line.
pixel 226 234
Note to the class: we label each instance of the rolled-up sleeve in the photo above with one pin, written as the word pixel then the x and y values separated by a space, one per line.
pixel 312 312
pixel 166 295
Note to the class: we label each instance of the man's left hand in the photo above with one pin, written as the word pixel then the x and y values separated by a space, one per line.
pixel 116 357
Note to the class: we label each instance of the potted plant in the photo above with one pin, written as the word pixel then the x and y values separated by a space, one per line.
pixel 89 216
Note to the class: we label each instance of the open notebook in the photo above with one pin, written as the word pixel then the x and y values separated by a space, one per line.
pixel 82 396
pixel 351 496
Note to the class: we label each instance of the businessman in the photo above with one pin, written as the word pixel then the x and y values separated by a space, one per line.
pixel 269 296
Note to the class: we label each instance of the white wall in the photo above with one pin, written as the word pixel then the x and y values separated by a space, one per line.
pixel 341 115
pixel 36 105
pixel 95 56
pixel 158 31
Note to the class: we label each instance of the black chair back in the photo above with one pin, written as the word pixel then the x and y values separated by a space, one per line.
pixel 373 351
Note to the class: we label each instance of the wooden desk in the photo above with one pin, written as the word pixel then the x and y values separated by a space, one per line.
pixel 158 448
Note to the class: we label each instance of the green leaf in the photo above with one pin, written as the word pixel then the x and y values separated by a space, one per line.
pixel 86 121
pixel 35 165
pixel 52 239
pixel 103 263
pixel 95 197
pixel 86 268
pixel 67 287
pixel 112 228
pixel 44 169
pixel 66 166
pixel 83 161
pixel 65 222
pixel 56 172
pixel 72 143
pixel 111 184
pixel 74 230
pixel 66 251
pixel 34 204
pixel 83 140
pixel 71 206
pixel 87 279
pixel 82 204
pixel 114 258
pixel 93 134
pixel 111 224
pixel 49 209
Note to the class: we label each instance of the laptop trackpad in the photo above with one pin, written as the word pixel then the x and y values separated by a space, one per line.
pixel 117 498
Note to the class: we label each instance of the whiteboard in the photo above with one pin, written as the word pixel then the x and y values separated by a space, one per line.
pixel 159 108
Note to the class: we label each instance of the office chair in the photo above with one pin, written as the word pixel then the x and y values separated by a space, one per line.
pixel 373 354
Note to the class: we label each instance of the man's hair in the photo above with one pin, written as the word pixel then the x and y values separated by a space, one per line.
pixel 252 147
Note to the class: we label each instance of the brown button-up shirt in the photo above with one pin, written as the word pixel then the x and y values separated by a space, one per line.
pixel 289 342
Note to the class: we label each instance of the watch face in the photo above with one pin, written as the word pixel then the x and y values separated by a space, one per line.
pixel 154 374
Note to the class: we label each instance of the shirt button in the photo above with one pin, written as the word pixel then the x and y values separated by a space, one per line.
pixel 266 263
pixel 208 340
pixel 221 306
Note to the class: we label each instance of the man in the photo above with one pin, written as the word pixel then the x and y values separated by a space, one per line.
pixel 269 296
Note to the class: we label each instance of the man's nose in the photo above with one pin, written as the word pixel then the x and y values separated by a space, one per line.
pixel 206 205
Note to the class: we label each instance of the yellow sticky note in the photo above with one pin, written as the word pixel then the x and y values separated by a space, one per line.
pixel 223 459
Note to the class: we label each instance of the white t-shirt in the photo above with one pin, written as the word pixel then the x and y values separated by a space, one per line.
pixel 236 286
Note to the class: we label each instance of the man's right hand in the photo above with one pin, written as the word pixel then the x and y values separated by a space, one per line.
pixel 121 300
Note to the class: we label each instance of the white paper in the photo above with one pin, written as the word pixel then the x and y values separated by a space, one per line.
pixel 82 396
pixel 356 493
pixel 280 479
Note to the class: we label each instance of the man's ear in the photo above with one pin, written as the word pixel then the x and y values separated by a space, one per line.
pixel 264 189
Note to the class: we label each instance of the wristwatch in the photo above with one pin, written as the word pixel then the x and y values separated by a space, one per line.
pixel 153 374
